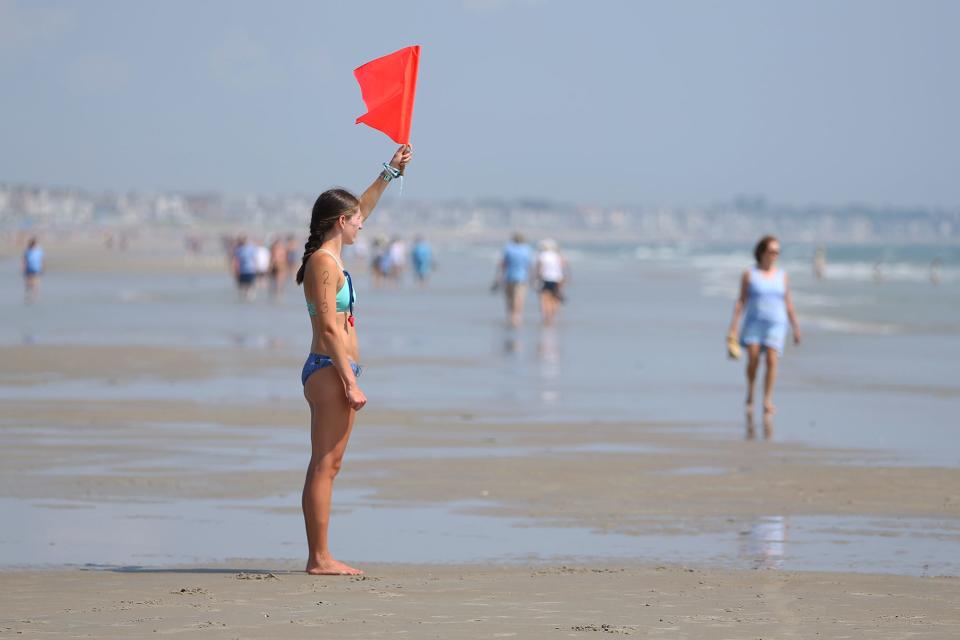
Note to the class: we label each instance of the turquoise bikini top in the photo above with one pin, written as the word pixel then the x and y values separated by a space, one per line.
pixel 346 296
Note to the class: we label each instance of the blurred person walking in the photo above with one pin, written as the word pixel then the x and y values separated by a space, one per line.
pixel 244 265
pixel 262 258
pixel 398 259
pixel 765 295
pixel 380 264
pixel 32 270
pixel 513 273
pixel 421 256
pixel 552 273
pixel 330 373
pixel 293 255
pixel 278 268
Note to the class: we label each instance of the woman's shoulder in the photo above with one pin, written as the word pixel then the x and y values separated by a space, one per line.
pixel 321 261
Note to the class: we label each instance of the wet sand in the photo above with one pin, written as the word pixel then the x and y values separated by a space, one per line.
pixel 79 438
pixel 609 476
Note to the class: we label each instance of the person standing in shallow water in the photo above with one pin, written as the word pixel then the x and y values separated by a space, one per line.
pixel 330 373
pixel 765 296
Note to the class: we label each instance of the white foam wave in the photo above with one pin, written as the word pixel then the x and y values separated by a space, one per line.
pixel 843 325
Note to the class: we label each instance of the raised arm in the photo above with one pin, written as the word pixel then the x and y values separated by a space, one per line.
pixel 371 196
pixel 322 282
pixel 740 303
pixel 791 313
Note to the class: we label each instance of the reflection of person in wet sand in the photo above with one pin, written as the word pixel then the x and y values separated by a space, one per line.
pixel 765 295
pixel 764 544
pixel 32 268
pixel 330 373
pixel 767 426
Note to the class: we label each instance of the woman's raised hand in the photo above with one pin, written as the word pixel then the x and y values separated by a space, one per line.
pixel 401 157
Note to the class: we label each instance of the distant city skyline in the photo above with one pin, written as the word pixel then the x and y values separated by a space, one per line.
pixel 609 103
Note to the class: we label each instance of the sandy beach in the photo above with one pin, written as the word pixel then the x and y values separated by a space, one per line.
pixel 142 495
pixel 251 601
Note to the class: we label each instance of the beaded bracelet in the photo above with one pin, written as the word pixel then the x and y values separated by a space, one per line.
pixel 389 172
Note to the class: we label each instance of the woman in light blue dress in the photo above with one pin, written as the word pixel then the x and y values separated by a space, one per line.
pixel 765 295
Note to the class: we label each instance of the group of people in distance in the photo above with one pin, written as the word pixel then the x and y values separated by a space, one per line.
pixel 546 268
pixel 388 262
pixel 253 265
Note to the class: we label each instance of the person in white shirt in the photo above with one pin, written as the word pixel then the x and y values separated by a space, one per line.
pixel 552 272
pixel 398 258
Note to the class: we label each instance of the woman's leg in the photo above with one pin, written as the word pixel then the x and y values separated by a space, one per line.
pixel 552 305
pixel 772 360
pixel 331 421
pixel 753 363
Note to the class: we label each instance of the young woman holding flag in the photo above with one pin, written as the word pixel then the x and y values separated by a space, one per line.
pixel 330 373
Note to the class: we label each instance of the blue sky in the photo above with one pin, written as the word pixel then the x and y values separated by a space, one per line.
pixel 607 102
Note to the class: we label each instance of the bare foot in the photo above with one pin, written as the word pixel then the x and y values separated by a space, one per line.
pixel 769 409
pixel 331 567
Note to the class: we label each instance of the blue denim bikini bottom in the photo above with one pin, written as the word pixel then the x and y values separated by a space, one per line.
pixel 315 362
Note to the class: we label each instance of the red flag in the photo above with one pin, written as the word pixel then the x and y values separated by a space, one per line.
pixel 388 86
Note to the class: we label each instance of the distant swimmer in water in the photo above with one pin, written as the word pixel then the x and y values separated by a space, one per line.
pixel 513 273
pixel 32 269
pixel 820 263
pixel 765 295
pixel 330 372
pixel 552 272
pixel 878 271
pixel 935 271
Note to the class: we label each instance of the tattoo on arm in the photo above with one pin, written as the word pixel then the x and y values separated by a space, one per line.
pixel 325 279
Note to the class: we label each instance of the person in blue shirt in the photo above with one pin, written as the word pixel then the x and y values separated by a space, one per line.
pixel 766 305
pixel 513 275
pixel 245 267
pixel 32 268
pixel 422 258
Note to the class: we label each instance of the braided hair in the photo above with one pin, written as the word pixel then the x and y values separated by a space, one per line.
pixel 330 205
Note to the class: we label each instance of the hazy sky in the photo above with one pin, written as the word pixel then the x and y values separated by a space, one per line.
pixel 608 102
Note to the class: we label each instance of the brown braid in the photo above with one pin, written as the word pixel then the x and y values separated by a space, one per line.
pixel 330 205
